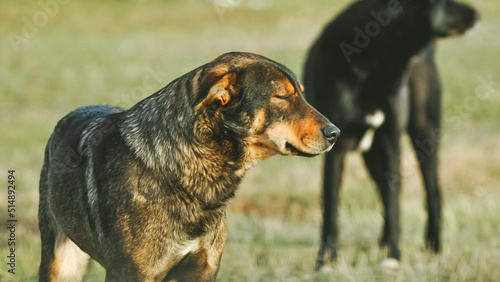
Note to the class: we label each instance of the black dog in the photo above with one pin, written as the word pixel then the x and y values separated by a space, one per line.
pixel 358 74
pixel 143 191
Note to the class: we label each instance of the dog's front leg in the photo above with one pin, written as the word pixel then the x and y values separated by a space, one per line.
pixel 332 178
pixel 202 264
pixel 383 162
pixel 425 132
pixel 193 267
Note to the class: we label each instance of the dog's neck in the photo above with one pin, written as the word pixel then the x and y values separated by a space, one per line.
pixel 163 140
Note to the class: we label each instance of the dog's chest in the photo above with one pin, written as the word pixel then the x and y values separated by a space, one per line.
pixel 188 246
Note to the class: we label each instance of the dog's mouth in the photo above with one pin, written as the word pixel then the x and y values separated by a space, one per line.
pixel 296 152
pixel 308 144
pixel 458 29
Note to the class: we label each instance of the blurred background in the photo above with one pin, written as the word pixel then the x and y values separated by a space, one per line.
pixel 57 55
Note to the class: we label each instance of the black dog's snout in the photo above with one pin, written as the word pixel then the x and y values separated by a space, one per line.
pixel 476 16
pixel 331 132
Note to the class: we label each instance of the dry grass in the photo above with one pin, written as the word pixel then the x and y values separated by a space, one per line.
pixel 100 51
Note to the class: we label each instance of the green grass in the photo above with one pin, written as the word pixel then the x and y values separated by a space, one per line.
pixel 94 52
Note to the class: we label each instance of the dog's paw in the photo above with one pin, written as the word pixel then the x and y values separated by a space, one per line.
pixel 389 263
pixel 325 269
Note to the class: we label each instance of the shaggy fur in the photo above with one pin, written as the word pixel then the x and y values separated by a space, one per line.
pixel 143 191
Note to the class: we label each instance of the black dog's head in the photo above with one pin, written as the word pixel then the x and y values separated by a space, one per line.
pixel 257 105
pixel 448 17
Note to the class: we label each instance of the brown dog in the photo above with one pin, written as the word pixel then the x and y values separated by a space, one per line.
pixel 143 191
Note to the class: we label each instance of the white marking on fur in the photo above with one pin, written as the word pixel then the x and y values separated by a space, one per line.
pixel 189 246
pixel 389 263
pixel 366 142
pixel 374 120
pixel 326 269
pixel 474 29
pixel 70 261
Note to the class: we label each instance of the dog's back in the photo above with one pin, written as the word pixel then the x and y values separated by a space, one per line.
pixel 70 128
pixel 63 149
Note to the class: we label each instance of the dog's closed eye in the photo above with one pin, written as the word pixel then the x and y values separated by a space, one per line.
pixel 285 97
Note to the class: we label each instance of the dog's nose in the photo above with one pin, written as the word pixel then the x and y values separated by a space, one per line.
pixel 331 133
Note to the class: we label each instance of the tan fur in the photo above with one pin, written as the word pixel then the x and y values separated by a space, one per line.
pixel 219 92
pixel 288 87
pixel 155 188
pixel 259 120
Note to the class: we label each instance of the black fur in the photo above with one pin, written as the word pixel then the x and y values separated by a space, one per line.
pixel 359 66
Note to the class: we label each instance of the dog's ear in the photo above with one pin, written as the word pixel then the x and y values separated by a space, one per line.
pixel 222 91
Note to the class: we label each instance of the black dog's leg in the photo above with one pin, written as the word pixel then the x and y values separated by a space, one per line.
pixel 332 178
pixel 383 162
pixel 425 139
pixel 424 130
pixel 429 166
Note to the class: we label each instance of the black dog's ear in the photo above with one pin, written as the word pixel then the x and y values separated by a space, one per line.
pixel 221 91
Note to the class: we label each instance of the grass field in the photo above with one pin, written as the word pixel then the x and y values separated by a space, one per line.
pixel 74 53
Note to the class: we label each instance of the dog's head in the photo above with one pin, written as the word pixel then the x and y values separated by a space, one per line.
pixel 257 105
pixel 448 17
